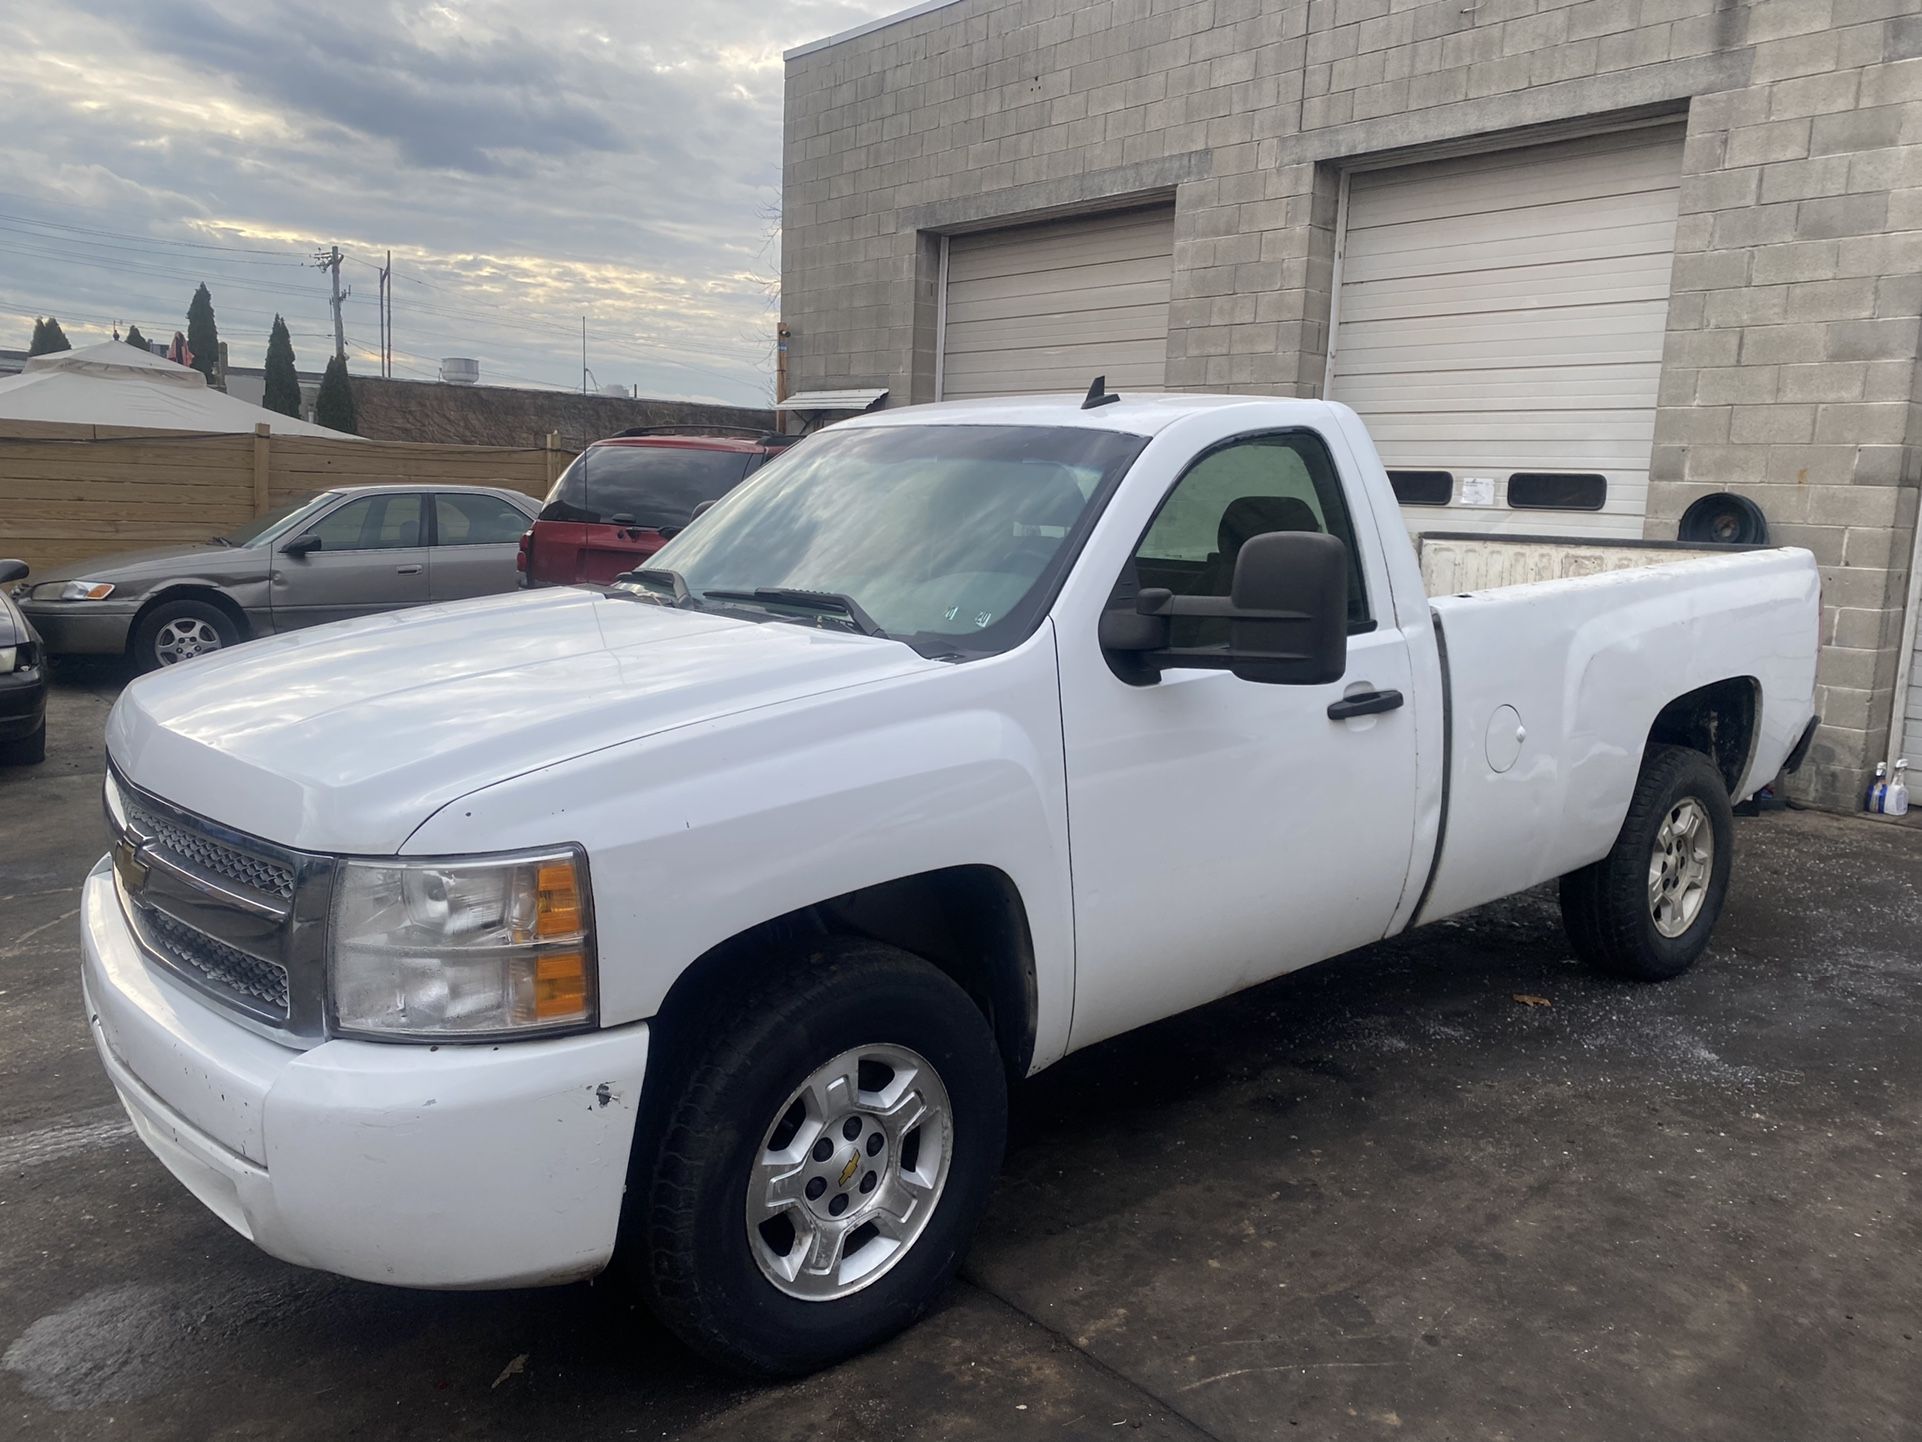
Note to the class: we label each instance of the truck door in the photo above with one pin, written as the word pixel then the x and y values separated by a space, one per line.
pixel 1225 831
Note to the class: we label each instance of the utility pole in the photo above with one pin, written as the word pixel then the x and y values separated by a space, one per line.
pixel 387 317
pixel 329 261
pixel 583 355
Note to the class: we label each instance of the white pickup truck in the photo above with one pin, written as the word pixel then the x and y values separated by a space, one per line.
pixel 713 913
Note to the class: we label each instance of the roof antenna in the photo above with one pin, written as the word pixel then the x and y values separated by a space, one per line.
pixel 1098 395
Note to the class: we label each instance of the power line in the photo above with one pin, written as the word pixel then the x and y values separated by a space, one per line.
pixel 129 268
pixel 136 235
pixel 151 252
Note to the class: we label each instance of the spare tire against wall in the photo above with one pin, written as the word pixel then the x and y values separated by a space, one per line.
pixel 1725 519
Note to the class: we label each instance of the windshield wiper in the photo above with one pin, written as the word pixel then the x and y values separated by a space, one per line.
pixel 805 600
pixel 220 541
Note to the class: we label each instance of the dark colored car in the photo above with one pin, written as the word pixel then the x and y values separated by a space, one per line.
pixel 623 497
pixel 23 680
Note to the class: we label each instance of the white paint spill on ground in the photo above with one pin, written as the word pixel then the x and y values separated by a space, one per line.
pixel 98 1127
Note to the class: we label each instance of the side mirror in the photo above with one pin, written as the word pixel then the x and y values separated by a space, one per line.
pixel 1289 625
pixel 12 571
pixel 301 546
pixel 1287 614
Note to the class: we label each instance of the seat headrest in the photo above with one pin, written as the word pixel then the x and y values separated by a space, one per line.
pixel 1250 516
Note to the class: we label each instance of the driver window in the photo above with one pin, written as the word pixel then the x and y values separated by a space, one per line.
pixel 370 523
pixel 1243 489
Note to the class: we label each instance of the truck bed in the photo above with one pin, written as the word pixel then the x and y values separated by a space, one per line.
pixel 1581 665
pixel 1453 562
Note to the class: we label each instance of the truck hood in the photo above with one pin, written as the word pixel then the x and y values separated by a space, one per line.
pixel 345 738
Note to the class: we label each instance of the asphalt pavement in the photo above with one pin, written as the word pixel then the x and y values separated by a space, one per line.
pixel 1449 1186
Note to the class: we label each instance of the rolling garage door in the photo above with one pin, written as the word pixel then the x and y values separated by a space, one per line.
pixel 1049 307
pixel 1499 326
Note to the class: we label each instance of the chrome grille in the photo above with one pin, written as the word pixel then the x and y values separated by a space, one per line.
pixel 267 877
pixel 240 919
pixel 225 966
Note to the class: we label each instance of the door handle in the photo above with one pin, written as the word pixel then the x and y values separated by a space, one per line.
pixel 407 570
pixel 1365 703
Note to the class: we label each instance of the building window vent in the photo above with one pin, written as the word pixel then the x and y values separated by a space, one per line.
pixel 1423 488
pixel 1556 491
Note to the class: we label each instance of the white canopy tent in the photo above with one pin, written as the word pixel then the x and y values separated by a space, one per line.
pixel 114 384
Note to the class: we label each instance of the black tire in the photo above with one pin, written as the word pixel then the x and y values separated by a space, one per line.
pixel 144 648
pixel 1606 908
pixel 29 750
pixel 688 1235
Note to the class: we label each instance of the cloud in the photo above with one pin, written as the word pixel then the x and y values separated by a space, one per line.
pixel 526 162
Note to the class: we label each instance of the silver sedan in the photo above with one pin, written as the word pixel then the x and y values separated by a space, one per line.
pixel 347 552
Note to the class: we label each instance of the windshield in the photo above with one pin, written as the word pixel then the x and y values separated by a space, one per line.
pixel 264 528
pixel 949 537
pixel 653 486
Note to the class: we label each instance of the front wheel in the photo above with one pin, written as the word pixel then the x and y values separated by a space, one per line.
pixel 825 1163
pixel 177 631
pixel 1645 911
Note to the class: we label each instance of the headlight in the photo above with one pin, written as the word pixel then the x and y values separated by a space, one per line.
pixel 9 656
pixel 463 947
pixel 73 591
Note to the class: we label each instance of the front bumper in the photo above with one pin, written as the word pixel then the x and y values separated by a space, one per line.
pixel 81 628
pixel 489 1165
pixel 23 703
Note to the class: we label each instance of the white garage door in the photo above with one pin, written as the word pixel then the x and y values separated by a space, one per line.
pixel 1499 325
pixel 1049 307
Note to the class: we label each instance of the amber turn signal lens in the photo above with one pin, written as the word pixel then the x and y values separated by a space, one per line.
pixel 559 901
pixel 560 986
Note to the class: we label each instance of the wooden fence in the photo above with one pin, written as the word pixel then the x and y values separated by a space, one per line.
pixel 71 492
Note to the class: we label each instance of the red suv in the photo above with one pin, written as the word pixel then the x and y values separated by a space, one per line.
pixel 623 497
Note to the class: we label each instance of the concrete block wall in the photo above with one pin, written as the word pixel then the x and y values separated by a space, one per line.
pixel 1794 326
pixel 1791 369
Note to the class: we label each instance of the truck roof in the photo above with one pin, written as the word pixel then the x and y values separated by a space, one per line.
pixel 1141 415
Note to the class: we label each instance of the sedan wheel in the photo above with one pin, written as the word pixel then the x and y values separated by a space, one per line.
pixel 183 639
pixel 177 631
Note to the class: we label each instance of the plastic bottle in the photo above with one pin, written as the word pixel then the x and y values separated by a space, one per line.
pixel 1896 801
pixel 1878 789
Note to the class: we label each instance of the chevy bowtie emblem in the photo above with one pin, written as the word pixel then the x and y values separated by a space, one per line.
pixel 854 1165
pixel 127 864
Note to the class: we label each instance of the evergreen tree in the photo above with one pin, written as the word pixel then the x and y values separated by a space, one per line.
pixel 283 383
pixel 48 337
pixel 334 406
pixel 202 338
pixel 135 338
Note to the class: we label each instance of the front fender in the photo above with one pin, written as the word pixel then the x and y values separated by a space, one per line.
pixel 697 834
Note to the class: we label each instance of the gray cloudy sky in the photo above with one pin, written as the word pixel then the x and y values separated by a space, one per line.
pixel 527 161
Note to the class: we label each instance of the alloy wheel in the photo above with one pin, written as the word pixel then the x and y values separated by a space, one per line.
pixel 849 1172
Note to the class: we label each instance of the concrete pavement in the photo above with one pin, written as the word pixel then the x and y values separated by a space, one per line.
pixel 1378 1198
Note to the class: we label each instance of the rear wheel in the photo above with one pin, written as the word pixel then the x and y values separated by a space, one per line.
pixel 825 1163
pixel 177 631
pixel 1646 910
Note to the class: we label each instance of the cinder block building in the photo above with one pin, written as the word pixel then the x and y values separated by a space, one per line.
pixel 1582 264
